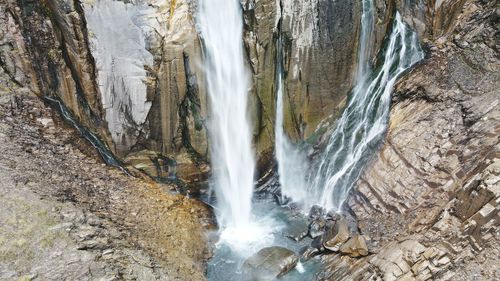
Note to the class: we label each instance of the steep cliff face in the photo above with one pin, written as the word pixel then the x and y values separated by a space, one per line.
pixel 429 200
pixel 131 70
pixel 320 40
pixel 128 70
pixel 148 58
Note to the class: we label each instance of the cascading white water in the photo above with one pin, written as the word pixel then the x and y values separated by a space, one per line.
pixel 291 160
pixel 364 121
pixel 220 23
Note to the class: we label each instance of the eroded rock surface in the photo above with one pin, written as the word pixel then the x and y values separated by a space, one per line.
pixel 130 71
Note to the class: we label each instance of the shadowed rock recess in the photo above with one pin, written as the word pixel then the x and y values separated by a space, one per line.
pixel 129 75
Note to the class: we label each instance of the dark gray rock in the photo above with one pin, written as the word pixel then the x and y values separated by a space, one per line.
pixel 332 215
pixel 297 231
pixel 307 253
pixel 316 212
pixel 269 263
pixel 317 228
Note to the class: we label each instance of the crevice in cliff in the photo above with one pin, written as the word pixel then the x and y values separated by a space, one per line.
pixel 361 198
pixel 191 106
pixel 94 140
pixel 84 29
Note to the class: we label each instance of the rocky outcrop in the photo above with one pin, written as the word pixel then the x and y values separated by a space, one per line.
pixel 429 199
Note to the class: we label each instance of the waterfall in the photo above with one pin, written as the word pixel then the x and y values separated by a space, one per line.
pixel 220 23
pixel 291 161
pixel 364 121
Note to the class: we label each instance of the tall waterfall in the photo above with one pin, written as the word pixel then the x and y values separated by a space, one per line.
pixel 221 27
pixel 363 123
pixel 291 161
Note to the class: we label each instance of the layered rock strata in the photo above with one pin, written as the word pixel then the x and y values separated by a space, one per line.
pixel 429 200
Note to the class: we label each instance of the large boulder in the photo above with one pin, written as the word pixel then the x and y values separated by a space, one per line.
pixel 336 236
pixel 269 263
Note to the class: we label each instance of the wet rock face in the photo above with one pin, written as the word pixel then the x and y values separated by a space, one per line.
pixel 320 60
pixel 320 40
pixel 270 263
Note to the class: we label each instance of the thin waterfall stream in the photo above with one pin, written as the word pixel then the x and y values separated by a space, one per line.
pixel 292 162
pixel 361 128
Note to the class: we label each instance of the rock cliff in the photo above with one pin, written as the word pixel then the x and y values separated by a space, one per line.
pixel 131 71
pixel 128 70
pixel 429 200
